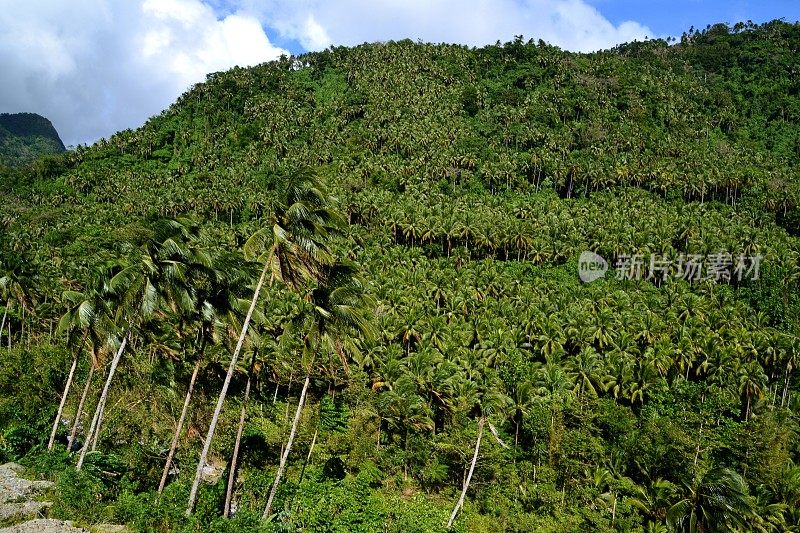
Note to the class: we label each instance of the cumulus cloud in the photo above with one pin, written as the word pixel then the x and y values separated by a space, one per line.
pixel 94 67
pixel 97 66
pixel 570 24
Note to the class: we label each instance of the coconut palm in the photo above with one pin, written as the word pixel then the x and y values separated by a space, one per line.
pixel 339 319
pixel 293 250
pixel 213 280
pixel 233 467
pixel 15 280
pixel 153 276
pixel 78 323
pixel 715 501
pixel 487 401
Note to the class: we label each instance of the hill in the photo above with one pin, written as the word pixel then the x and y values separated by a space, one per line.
pixel 26 136
pixel 470 356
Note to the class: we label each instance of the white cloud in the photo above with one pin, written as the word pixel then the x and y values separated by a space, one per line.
pixel 570 24
pixel 94 67
pixel 97 66
pixel 313 36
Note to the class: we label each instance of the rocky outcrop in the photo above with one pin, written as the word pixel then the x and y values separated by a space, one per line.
pixel 43 525
pixel 22 506
pixel 19 496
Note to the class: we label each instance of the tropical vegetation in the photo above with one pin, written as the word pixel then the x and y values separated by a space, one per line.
pixel 340 292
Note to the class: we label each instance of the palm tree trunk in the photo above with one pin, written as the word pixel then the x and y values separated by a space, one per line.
pixel 285 455
pixel 3 323
pixel 221 400
pixel 614 511
pixel 61 405
pixel 174 445
pixel 469 475
pixel 99 425
pixel 785 387
pixel 308 457
pixel 747 411
pixel 98 412
pixel 235 458
pixel 79 412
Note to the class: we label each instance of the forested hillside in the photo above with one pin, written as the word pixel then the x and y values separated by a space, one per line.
pixel 26 136
pixel 373 252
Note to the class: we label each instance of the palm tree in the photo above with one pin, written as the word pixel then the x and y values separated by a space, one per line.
pixel 585 370
pixel 340 314
pixel 752 380
pixel 77 323
pixel 654 499
pixel 212 279
pixel 96 337
pixel 553 384
pixel 14 288
pixel 487 401
pixel 154 275
pixel 293 249
pixel 522 398
pixel 232 470
pixel 716 501
pixel 98 413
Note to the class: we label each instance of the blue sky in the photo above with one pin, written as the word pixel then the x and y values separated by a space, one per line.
pixel 662 17
pixel 673 17
pixel 94 67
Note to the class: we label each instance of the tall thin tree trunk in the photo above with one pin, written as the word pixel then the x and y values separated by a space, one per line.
pixel 3 324
pixel 308 457
pixel 614 511
pixel 747 411
pixel 699 441
pixel 221 400
pixel 100 421
pixel 79 412
pixel 235 458
pixel 61 405
pixel 174 445
pixel 785 386
pixel 288 448
pixel 98 412
pixel 469 475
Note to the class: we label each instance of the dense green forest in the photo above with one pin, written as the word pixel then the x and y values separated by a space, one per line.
pixel 25 137
pixel 373 252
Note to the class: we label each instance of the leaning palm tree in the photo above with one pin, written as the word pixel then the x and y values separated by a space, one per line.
pixel 339 318
pixel 716 501
pixel 152 276
pixel 96 341
pixel 233 466
pixel 485 401
pixel 213 280
pixel 77 323
pixel 114 340
pixel 14 289
pixel 293 250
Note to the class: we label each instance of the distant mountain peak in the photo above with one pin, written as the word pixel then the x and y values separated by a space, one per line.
pixel 26 136
pixel 30 125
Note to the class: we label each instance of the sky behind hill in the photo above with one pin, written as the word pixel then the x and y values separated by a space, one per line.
pixel 97 66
